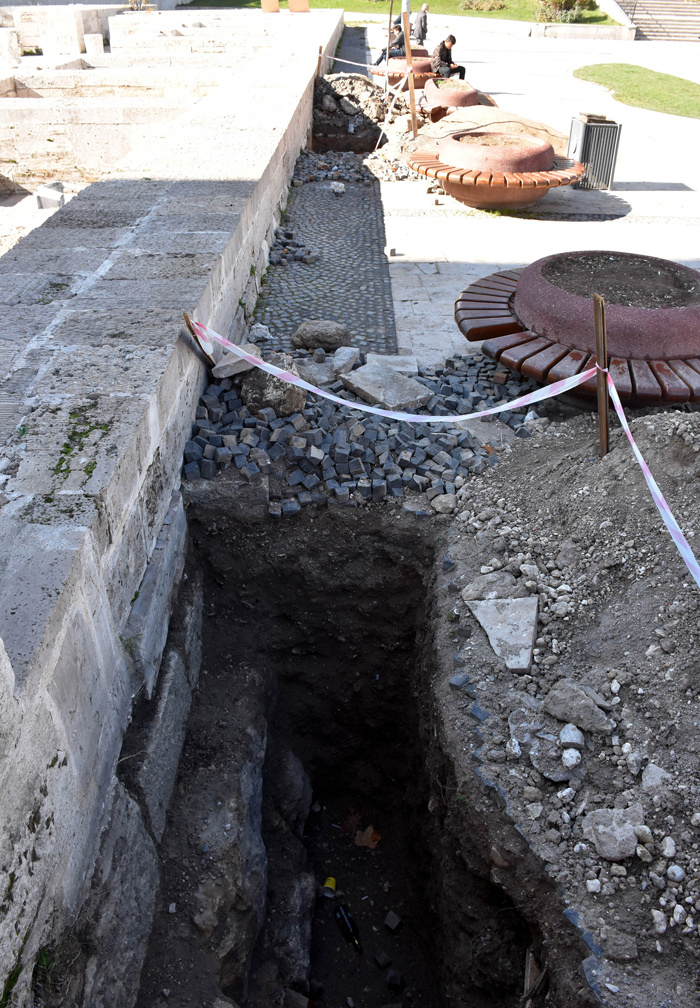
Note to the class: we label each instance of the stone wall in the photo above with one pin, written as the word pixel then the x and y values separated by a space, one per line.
pixel 100 388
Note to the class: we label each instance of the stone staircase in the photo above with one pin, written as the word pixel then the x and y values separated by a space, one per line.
pixel 669 20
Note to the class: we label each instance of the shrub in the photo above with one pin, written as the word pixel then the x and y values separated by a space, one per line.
pixel 482 5
pixel 564 11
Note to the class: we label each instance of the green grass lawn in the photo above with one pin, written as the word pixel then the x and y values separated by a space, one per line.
pixel 516 10
pixel 635 85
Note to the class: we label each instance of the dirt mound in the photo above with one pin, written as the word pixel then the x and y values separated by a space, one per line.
pixel 618 617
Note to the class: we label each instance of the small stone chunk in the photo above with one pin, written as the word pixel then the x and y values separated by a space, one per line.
pixel 572 737
pixel 382 959
pixel 392 921
pixel 459 681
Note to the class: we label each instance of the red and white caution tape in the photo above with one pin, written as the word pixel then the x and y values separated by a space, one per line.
pixel 207 337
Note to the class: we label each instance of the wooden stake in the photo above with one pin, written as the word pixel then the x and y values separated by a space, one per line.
pixel 601 353
pixel 409 66
pixel 320 57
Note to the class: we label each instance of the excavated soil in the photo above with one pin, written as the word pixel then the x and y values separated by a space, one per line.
pixel 635 281
pixel 489 140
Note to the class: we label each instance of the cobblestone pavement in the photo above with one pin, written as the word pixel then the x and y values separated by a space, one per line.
pixel 350 283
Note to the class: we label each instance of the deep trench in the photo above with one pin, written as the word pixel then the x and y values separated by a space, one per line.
pixel 313 729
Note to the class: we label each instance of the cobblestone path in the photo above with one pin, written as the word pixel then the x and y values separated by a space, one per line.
pixel 350 283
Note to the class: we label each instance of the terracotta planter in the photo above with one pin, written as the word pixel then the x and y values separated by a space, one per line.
pixel 639 333
pixel 299 6
pixel 516 153
pixel 270 6
pixel 396 68
pixel 450 95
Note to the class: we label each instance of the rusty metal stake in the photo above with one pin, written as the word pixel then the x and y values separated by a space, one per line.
pixel 601 353
pixel 320 57
pixel 409 67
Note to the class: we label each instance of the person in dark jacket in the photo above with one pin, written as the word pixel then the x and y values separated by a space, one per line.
pixel 420 25
pixel 398 46
pixel 441 60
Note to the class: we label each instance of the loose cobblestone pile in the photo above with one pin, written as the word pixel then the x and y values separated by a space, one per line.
pixel 344 454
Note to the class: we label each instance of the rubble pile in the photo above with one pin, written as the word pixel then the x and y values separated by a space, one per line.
pixel 314 451
pixel 348 112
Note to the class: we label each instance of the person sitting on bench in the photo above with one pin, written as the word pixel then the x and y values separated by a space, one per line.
pixel 441 60
pixel 398 46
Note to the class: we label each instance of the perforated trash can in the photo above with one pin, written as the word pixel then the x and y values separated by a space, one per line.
pixel 594 141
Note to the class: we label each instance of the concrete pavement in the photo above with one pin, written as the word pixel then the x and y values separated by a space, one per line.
pixel 656 194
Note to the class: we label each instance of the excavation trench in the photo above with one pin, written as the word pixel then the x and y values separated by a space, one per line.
pixel 313 750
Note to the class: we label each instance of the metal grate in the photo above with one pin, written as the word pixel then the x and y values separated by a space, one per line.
pixel 595 145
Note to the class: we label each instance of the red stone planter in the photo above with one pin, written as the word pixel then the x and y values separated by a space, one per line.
pixel 517 154
pixel 531 325
pixel 488 189
pixel 450 94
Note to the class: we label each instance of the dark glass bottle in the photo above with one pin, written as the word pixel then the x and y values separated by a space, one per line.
pixel 348 927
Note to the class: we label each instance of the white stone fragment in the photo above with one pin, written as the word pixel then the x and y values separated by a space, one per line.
pixel 571 758
pixel 593 885
pixel 675 873
pixel 668 847
pixel 513 750
pixel 659 922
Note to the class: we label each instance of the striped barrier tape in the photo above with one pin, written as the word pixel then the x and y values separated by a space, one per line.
pixel 207 337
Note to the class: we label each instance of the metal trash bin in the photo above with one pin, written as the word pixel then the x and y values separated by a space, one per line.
pixel 594 141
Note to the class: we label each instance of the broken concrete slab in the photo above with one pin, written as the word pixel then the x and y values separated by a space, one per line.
pixel 345 359
pixel 231 365
pixel 316 372
pixel 511 625
pixel 403 363
pixel 568 702
pixel 381 385
pixel 612 831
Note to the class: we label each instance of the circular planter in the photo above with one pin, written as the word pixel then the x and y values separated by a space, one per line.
pixel 495 152
pixel 450 94
pixel 545 306
pixel 478 182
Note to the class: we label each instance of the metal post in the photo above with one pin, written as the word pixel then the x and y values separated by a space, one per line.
pixel 320 57
pixel 601 353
